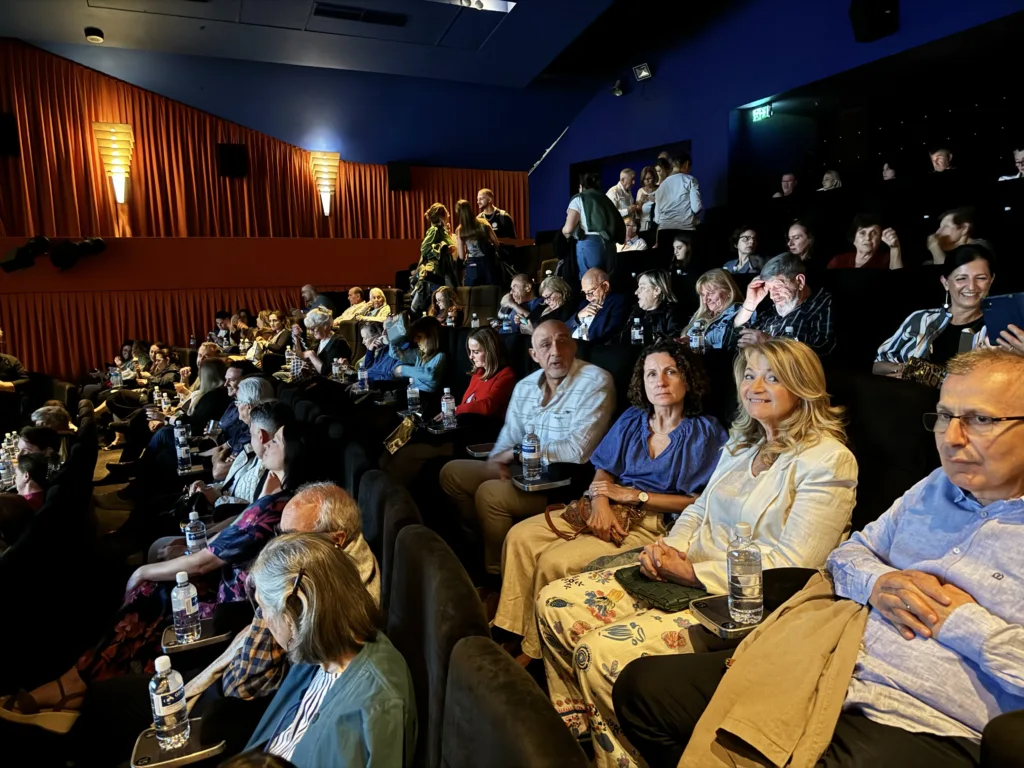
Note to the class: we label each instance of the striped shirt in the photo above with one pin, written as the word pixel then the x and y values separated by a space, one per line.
pixel 917 335
pixel 572 423
pixel 284 742
pixel 810 322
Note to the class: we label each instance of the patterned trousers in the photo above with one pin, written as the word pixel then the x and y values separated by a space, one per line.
pixel 591 629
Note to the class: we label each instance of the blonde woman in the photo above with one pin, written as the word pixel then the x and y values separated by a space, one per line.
pixel 720 300
pixel 785 470
pixel 556 304
pixel 210 399
pixel 376 308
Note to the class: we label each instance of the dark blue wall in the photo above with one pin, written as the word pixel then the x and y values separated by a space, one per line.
pixel 369 118
pixel 762 49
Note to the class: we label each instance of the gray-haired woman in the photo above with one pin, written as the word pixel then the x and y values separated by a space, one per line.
pixel 348 699
pixel 657 309
pixel 330 346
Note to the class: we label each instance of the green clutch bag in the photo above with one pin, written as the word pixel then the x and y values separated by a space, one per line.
pixel 663 595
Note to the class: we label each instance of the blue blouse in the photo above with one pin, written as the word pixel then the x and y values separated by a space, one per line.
pixel 428 375
pixel 683 468
pixel 380 366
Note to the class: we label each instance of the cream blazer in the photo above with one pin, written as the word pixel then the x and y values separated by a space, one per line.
pixel 799 510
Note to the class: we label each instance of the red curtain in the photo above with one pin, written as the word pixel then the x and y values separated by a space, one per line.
pixel 57 187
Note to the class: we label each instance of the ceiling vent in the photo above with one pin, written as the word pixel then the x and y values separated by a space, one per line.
pixel 364 15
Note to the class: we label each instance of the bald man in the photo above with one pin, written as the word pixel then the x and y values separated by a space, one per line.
pixel 569 404
pixel 601 313
pixel 311 299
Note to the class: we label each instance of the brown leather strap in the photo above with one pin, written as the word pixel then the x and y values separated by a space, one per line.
pixel 551 525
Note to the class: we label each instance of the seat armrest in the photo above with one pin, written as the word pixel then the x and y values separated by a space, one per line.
pixel 713 615
pixel 207 637
pixel 147 752
pixel 558 475
pixel 480 450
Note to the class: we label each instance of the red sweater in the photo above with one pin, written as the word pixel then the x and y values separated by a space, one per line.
pixel 488 398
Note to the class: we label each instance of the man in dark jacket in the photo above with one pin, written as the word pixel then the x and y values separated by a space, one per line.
pixel 13 380
pixel 602 313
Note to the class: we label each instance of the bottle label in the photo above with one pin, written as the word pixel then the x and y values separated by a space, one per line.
pixel 183 452
pixel 529 450
pixel 165 704
pixel 191 539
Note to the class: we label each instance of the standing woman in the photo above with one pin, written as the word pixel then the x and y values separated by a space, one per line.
pixel 476 245
pixel 435 267
pixel 596 224
pixel 446 305
pixel 645 202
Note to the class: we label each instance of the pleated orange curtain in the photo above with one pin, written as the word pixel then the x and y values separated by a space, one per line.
pixel 57 187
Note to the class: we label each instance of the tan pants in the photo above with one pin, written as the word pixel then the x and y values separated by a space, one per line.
pixel 483 498
pixel 533 557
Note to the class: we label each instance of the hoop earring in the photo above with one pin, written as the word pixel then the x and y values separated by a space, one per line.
pixel 945 304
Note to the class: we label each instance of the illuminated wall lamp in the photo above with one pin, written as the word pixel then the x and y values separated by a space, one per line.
pixel 325 171
pixel 116 143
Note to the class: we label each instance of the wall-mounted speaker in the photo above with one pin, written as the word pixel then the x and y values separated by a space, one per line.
pixel 874 19
pixel 9 146
pixel 399 177
pixel 233 161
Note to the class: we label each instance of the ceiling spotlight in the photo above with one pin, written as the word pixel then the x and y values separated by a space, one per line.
pixel 617 88
pixel 94 35
pixel 642 72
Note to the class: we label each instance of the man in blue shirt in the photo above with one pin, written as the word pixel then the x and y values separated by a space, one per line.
pixel 943 573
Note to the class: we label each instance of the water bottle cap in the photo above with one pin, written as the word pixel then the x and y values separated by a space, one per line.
pixel 193 515
pixel 162 664
pixel 743 529
pixel 529 429
pixel 474 314
pixel 447 390
pixel 181 577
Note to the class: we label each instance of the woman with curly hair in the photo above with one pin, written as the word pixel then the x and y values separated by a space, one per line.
pixel 785 471
pixel 653 462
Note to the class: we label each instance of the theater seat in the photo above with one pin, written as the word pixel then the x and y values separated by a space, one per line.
pixel 399 511
pixel 372 491
pixel 548 265
pixel 496 716
pixel 395 299
pixel 355 465
pixel 433 605
pixel 1002 742
pixel 483 299
pixel 618 359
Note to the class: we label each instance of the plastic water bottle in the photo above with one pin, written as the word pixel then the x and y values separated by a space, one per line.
pixel 697 341
pixel 448 418
pixel 167 698
pixel 195 534
pixel 449 321
pixel 6 472
pixel 531 455
pixel 192 341
pixel 474 322
pixel 165 401
pixel 636 333
pixel 789 332
pixel 182 449
pixel 116 382
pixel 364 377
pixel 743 563
pixel 336 370
pixel 506 323
pixel 185 605
pixel 412 397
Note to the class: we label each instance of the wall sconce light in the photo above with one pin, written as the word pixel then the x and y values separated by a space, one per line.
pixel 325 171
pixel 116 143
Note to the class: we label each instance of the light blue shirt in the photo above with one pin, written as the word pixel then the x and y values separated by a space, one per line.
pixel 973 669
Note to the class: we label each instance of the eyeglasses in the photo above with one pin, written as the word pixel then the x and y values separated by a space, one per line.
pixel 972 423
pixel 297 583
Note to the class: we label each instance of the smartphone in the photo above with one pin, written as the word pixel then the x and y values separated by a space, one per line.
pixel 1002 311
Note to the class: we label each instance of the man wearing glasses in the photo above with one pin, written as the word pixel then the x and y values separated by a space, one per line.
pixel 1018 160
pixel 602 313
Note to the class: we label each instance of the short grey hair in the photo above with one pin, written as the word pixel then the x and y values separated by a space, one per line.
pixel 267 417
pixel 555 284
pixel 52 416
pixel 336 509
pixel 784 265
pixel 317 317
pixel 983 358
pixel 315 583
pixel 254 390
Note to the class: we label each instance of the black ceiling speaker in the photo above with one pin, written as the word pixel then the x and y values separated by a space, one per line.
pixel 9 135
pixel 874 19
pixel 399 177
pixel 233 160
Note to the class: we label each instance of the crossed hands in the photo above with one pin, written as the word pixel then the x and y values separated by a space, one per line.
pixel 916 603
pixel 660 562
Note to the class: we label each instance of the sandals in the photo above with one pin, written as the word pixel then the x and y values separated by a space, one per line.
pixel 21 708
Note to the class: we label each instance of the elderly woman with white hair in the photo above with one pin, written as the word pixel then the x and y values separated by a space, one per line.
pixel 348 699
pixel 376 308
pixel 330 345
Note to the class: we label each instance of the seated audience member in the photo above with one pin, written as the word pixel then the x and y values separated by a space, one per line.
pixel 933 587
pixel 800 242
pixel 42 440
pixel 499 220
pixel 280 336
pixel 601 313
pixel 163 370
pixel 235 430
pixel 785 468
pixel 645 203
pixel 313 299
pixel 12 374
pixel 956 228
pixel 676 203
pixel 682 254
pixel 210 399
pixel 830 181
pixel 654 461
pixel 122 364
pixel 30 478
pixel 348 698
pixel 425 364
pixel 796 310
pixel 789 184
pixel 185 384
pixel 330 345
pixel 476 244
pixel 379 363
pixel 720 299
pixel 516 305
pixel 942 159
pixel 633 240
pixel 221 333
pixel 595 223
pixel 568 403
pixel 555 304
pixel 445 307
pixel 490 388
pixel 657 309
pixel 747 262
pixel 356 305
pixel 621 194
pixel 55 417
pixel 377 307
pixel 937 335
pixel 867 238
pixel 888 172
pixel 1018 160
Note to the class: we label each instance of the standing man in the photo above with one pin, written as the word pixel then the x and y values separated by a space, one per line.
pixel 621 194
pixel 500 221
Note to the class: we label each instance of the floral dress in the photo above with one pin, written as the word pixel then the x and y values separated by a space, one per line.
pixel 134 643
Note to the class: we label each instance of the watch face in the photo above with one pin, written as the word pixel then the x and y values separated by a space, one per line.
pixel 643 497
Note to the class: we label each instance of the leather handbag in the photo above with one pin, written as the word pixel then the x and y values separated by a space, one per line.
pixel 576 514
pixel 663 595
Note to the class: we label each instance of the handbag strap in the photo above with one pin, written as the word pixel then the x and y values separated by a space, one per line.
pixel 551 525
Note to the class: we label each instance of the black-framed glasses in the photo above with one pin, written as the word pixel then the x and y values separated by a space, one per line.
pixel 973 423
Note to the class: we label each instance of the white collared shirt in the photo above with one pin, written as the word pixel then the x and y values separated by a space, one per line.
pixel 622 198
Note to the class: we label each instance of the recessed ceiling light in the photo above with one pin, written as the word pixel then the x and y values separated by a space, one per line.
pixel 94 35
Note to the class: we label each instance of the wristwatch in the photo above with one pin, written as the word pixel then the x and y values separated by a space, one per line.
pixel 642 497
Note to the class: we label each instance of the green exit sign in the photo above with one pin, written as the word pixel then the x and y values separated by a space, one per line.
pixel 763 113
